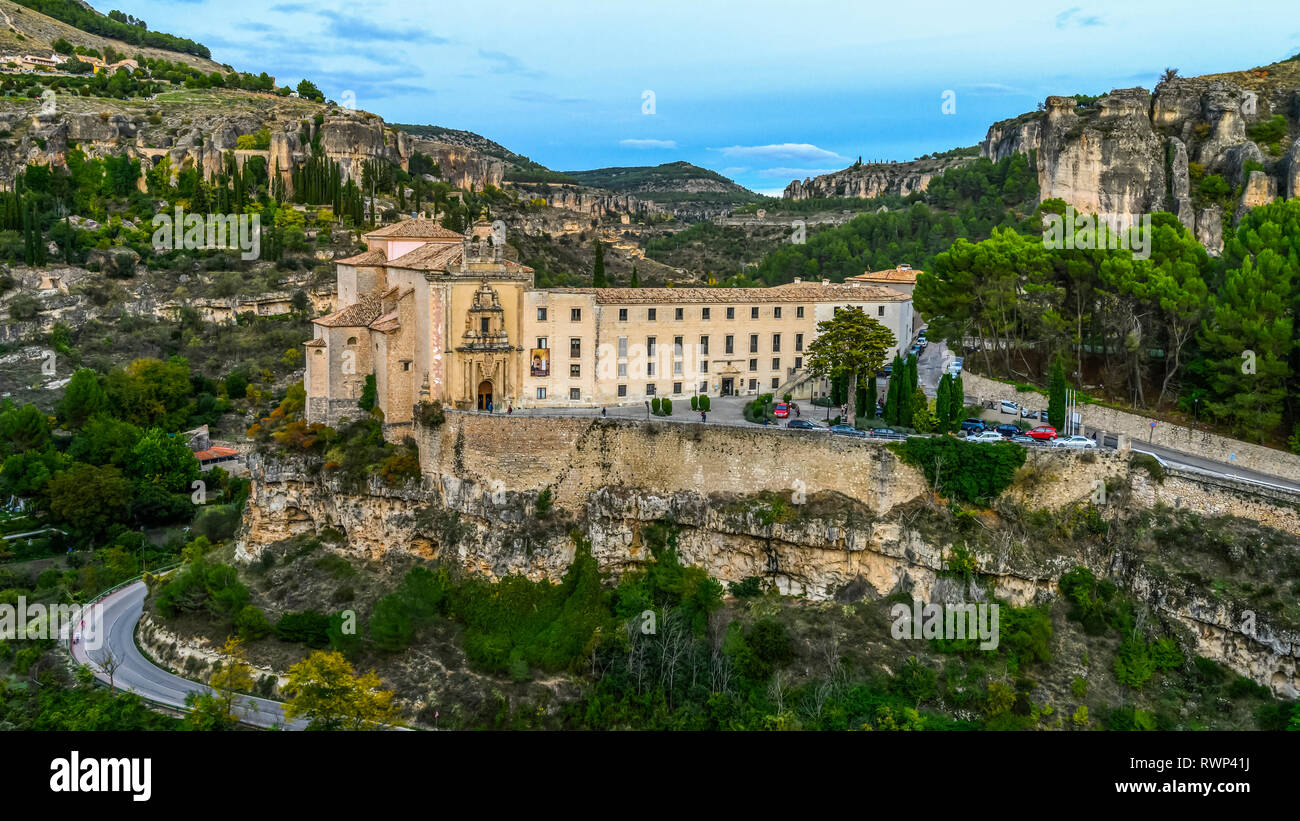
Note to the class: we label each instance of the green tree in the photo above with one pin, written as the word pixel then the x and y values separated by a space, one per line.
pixel 82 399
pixel 598 278
pixel 163 461
pixel 849 345
pixel 636 280
pixel 90 499
pixel 943 402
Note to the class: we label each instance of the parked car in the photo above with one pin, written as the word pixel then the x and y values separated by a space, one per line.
pixel 886 371
pixel 1007 406
pixel 973 426
pixel 1074 442
pixel 1021 439
pixel 848 430
pixel 1007 431
pixel 1026 413
pixel 803 424
pixel 1046 432
pixel 986 436
pixel 781 411
pixel 886 433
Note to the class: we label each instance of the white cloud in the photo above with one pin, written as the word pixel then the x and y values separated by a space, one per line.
pixel 798 152
pixel 648 143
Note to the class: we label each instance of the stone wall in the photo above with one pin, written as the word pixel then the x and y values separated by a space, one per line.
pixel 1138 429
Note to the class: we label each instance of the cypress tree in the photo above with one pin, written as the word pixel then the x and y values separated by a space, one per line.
pixel 598 278
pixel 870 404
pixel 636 280
pixel 943 401
pixel 957 401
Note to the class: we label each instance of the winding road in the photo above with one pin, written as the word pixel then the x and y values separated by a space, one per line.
pixel 110 624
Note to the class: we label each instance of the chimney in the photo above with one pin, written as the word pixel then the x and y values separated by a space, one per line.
pixel 797 280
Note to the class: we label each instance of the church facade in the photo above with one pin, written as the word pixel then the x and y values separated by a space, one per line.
pixel 436 315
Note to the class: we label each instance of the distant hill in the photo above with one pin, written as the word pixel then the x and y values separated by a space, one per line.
pixel 33 26
pixel 668 184
pixel 518 167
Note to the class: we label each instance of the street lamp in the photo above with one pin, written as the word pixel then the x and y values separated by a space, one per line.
pixel 647 410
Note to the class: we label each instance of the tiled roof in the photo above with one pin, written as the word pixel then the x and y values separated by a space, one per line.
pixel 902 275
pixel 375 256
pixel 794 292
pixel 430 257
pixel 214 452
pixel 358 315
pixel 387 322
pixel 318 342
pixel 415 229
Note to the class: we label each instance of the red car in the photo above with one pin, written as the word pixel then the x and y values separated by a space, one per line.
pixel 781 411
pixel 1043 432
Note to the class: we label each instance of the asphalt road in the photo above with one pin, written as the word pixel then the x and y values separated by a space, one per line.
pixel 114 619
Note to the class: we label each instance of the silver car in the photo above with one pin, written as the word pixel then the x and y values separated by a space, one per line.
pixel 1074 442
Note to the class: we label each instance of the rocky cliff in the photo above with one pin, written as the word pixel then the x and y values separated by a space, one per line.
pixel 816 516
pixel 868 180
pixel 1132 152
pixel 199 127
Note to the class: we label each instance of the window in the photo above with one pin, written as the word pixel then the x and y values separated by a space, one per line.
pixel 880 311
pixel 776 383
pixel 622 314
pixel 622 390
pixel 753 364
pixel 753 385
pixel 798 342
pixel 798 363
pixel 776 343
pixel 704 366
pixel 776 312
pixel 677 367
pixel 753 343
pixel 650 368
pixel 406 366
pixel 575 314
pixel 776 363
pixel 485 325
pixel 575 394
pixel 575 371
pixel 677 388
pixel 622 370
pixel 652 314
pixel 704 314
pixel 541 314
pixel 650 389
pixel 677 315
pixel 753 312
pixel 704 387
pixel 541 342
pixel 575 348
pixel 677 347
pixel 731 313
pixel 622 347
pixel 731 344
pixel 352 340
pixel 704 345
pixel 798 312
pixel 649 346
pixel 541 393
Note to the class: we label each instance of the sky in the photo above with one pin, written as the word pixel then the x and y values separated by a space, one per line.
pixel 762 92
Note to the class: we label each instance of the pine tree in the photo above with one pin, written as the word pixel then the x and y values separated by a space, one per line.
pixel 598 278
pixel 870 405
pixel 636 280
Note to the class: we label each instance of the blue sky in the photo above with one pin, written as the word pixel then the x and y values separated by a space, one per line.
pixel 761 91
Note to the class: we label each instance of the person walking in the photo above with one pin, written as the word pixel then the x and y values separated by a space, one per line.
pixel 602 413
pixel 510 409
pixel 489 406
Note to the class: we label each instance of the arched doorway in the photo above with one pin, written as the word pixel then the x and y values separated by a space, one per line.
pixel 484 394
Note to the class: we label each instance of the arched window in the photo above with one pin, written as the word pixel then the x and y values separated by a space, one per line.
pixel 318 352
pixel 352 340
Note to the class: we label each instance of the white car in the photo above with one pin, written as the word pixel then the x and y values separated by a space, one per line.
pixel 1074 442
pixel 1007 406
pixel 986 436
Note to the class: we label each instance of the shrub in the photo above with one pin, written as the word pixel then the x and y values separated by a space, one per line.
pixel 308 627
pixel 666 406
pixel 430 414
pixel 746 588
pixel 968 471
pixel 655 405
pixel 251 624
pixel 704 404
pixel 695 402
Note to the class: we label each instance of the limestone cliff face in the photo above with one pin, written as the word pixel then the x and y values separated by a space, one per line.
pixel 1131 152
pixel 201 135
pixel 872 179
pixel 791 510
